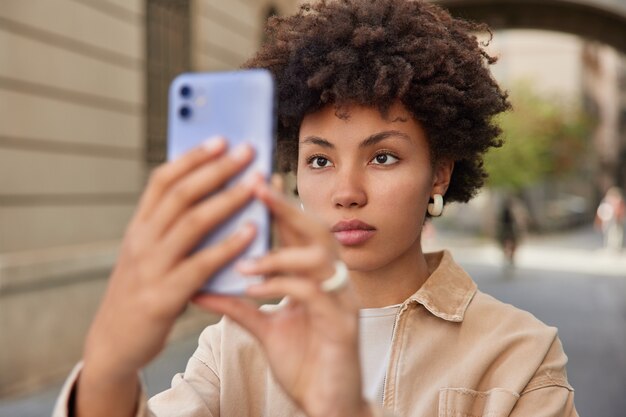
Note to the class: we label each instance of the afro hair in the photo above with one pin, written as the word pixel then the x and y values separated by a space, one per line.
pixel 374 53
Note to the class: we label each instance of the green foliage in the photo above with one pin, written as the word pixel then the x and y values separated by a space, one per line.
pixel 542 138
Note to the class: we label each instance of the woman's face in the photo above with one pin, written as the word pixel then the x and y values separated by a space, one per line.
pixel 369 179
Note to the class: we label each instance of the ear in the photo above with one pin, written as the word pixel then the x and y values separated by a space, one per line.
pixel 442 175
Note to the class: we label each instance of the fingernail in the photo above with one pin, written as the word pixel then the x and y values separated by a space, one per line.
pixel 250 180
pixel 213 144
pixel 241 152
pixel 255 289
pixel 246 231
pixel 263 189
pixel 246 265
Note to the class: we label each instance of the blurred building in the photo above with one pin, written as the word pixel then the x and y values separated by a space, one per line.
pixel 600 21
pixel 576 73
pixel 604 82
pixel 548 61
pixel 82 121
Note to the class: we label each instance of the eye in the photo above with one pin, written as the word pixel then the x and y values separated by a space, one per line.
pixel 384 159
pixel 317 162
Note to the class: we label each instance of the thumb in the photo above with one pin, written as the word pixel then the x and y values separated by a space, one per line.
pixel 277 183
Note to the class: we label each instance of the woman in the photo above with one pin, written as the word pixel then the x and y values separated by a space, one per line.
pixel 384 109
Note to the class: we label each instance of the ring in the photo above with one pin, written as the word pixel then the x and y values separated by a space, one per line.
pixel 338 280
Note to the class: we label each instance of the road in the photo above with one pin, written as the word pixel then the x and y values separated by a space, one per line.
pixel 590 313
pixel 568 281
pixel 564 280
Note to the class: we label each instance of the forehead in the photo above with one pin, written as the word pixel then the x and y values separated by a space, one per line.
pixel 357 122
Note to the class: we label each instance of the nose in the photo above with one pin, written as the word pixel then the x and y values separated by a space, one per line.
pixel 349 190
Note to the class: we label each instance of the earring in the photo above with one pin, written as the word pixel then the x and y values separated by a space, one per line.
pixel 436 207
pixel 301 206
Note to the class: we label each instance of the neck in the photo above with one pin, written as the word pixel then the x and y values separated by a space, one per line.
pixel 392 283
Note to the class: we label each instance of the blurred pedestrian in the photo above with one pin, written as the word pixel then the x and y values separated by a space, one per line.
pixel 610 218
pixel 511 224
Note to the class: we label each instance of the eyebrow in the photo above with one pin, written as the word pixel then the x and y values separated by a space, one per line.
pixel 369 141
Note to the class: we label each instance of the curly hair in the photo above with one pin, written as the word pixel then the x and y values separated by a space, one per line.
pixel 374 53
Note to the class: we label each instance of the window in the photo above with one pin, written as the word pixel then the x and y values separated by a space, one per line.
pixel 168 53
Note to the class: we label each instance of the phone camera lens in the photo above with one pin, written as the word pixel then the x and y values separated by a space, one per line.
pixel 185 112
pixel 185 91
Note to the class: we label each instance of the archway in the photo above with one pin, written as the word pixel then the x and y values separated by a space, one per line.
pixel 600 20
pixel 603 21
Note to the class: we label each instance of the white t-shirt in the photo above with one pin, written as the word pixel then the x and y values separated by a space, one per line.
pixel 376 330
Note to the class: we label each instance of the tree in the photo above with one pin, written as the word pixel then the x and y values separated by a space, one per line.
pixel 543 138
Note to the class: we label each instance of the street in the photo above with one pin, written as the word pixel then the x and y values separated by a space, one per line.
pixel 589 309
pixel 590 313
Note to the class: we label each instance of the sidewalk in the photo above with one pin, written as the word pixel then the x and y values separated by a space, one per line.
pixel 578 251
pixel 156 377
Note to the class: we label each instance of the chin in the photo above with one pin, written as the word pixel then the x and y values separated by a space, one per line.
pixel 362 261
pixel 368 258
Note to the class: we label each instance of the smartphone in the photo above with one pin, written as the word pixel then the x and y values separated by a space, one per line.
pixel 239 106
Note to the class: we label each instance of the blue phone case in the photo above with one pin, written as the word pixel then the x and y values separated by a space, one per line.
pixel 239 106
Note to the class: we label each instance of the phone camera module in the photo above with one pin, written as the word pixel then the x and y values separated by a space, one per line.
pixel 185 112
pixel 185 91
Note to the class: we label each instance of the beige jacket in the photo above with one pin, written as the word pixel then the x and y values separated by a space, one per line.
pixel 456 352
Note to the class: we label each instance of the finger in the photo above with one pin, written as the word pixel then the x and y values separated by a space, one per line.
pixel 308 294
pixel 278 183
pixel 244 312
pixel 289 217
pixel 169 173
pixel 203 218
pixel 198 184
pixel 310 261
pixel 284 236
pixel 195 270
pixel 280 207
pixel 297 289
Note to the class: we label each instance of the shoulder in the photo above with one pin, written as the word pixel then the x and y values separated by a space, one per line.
pixel 528 352
pixel 497 315
pixel 504 331
pixel 451 294
pixel 498 320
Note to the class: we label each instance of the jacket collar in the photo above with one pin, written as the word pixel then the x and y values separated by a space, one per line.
pixel 448 290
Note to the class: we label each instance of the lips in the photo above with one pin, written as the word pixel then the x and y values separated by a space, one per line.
pixel 352 232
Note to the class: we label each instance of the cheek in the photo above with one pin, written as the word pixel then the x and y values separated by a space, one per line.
pixel 408 192
pixel 402 205
pixel 405 210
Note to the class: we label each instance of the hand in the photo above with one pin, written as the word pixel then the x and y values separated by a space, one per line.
pixel 154 277
pixel 312 342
